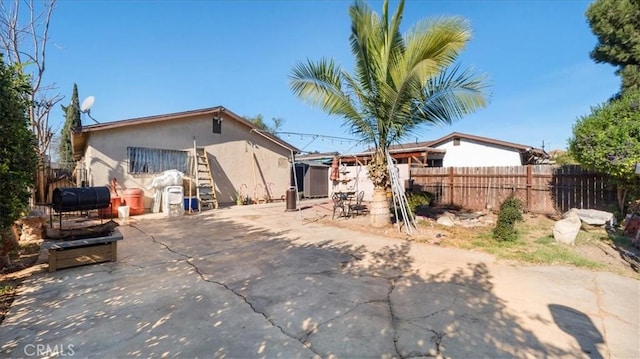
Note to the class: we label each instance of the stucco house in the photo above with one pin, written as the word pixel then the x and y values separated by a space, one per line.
pixel 463 150
pixel 240 157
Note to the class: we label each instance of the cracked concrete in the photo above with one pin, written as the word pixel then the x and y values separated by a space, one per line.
pixel 254 281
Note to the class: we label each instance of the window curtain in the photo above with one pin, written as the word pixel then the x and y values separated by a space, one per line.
pixel 151 160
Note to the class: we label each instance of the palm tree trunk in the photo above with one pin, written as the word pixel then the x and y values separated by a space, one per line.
pixel 379 211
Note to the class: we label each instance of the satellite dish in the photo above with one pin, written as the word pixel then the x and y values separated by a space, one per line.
pixel 86 107
pixel 87 104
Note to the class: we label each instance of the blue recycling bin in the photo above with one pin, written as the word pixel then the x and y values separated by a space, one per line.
pixel 194 203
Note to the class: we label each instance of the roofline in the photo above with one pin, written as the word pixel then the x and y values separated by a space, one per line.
pixel 151 119
pixel 399 146
pixel 176 115
pixel 487 140
pixel 312 163
pixel 398 150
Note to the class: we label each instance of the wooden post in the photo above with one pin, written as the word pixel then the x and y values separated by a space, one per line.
pixel 451 185
pixel 529 184
pixel 53 260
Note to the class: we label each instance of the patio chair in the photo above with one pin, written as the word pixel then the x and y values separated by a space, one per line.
pixel 358 207
pixel 339 202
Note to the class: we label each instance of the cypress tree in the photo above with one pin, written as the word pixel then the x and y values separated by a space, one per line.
pixel 72 120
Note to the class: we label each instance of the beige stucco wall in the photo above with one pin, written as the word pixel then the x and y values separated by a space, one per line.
pixel 238 158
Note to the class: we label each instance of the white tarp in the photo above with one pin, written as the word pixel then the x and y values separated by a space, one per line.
pixel 159 182
pixel 167 178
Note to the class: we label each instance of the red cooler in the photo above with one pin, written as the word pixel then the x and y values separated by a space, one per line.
pixel 134 198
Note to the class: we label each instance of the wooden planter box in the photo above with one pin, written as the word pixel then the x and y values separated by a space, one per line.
pixel 65 254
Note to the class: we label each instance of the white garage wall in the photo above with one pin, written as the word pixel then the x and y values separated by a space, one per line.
pixel 475 154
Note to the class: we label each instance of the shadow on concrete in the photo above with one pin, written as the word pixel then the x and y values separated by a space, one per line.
pixel 199 286
pixel 580 326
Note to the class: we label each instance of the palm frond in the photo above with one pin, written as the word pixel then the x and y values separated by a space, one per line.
pixel 364 28
pixel 320 84
pixel 451 96
pixel 438 41
pixel 394 45
pixel 362 125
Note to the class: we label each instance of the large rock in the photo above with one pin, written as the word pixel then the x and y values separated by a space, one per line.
pixel 447 219
pixel 32 226
pixel 572 213
pixel 566 230
pixel 595 217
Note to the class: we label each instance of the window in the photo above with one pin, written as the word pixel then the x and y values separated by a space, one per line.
pixel 152 160
pixel 456 141
pixel 217 124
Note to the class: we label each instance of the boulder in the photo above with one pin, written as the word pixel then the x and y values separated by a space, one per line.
pixel 566 230
pixel 595 217
pixel 447 219
pixel 32 226
pixel 572 213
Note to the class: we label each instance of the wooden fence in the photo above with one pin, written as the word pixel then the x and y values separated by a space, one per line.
pixel 542 188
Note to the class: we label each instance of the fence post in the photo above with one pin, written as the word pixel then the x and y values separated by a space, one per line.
pixel 451 186
pixel 529 184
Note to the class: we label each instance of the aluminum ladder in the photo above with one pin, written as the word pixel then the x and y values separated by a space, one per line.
pixel 400 201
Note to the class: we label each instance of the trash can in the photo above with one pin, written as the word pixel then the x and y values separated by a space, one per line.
pixel 123 213
pixel 291 199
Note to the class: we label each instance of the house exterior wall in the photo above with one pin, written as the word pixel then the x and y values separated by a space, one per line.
pixel 471 153
pixel 239 160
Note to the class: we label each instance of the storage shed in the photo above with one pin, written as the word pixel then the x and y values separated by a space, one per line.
pixel 312 179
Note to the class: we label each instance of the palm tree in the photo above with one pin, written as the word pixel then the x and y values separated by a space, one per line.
pixel 399 84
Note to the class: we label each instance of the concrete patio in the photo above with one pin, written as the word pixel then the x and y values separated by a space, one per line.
pixel 259 282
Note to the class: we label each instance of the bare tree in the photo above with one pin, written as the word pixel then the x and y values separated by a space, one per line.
pixel 24 30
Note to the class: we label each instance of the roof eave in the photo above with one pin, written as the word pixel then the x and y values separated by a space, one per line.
pixel 218 110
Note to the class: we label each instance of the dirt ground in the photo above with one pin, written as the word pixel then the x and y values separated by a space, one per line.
pixel 595 244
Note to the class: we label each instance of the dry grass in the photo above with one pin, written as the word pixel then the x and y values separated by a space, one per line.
pixel 595 248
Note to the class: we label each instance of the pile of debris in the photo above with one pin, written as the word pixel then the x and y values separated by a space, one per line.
pixel 465 219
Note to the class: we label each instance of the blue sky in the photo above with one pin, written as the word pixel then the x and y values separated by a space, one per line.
pixel 143 58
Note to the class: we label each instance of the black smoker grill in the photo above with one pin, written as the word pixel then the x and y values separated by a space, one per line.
pixel 97 247
pixel 80 199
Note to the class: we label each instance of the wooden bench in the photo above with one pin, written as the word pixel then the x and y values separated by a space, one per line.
pixel 65 254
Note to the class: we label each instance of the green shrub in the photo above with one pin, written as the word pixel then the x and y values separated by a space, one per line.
pixel 417 200
pixel 510 213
